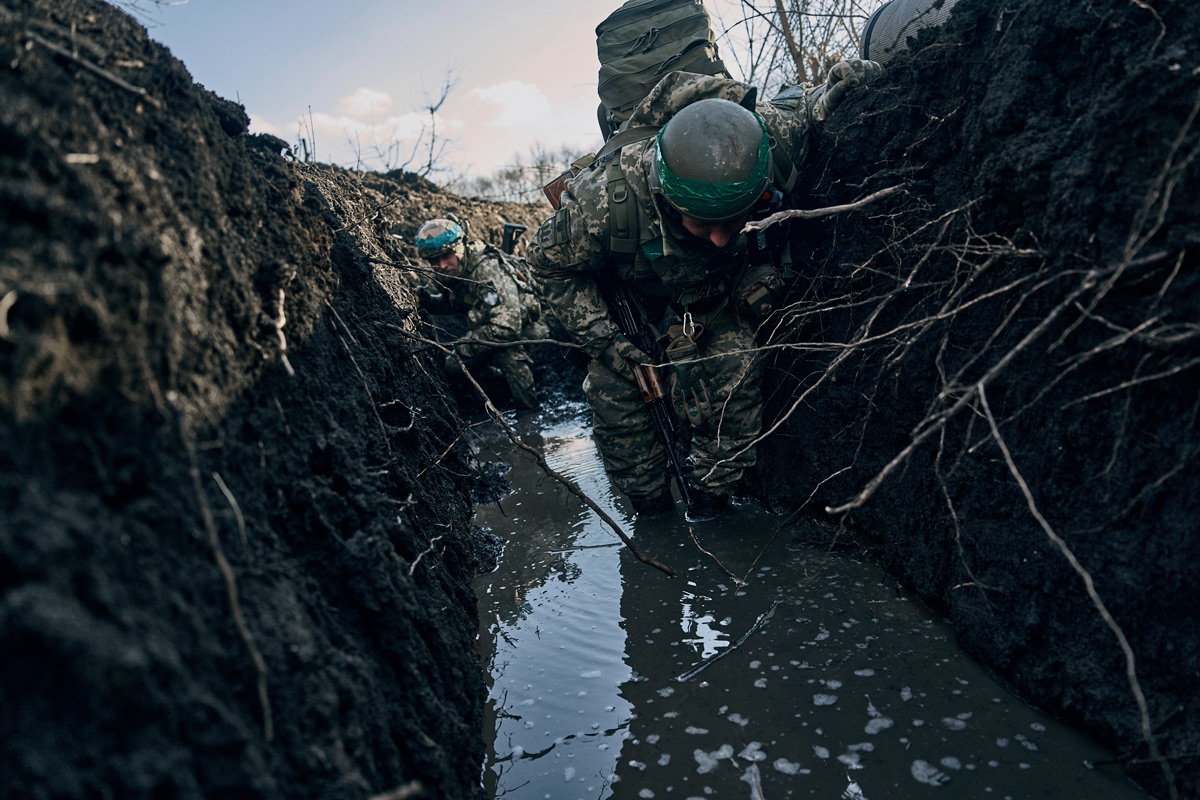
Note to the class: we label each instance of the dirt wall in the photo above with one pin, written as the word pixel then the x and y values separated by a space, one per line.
pixel 234 498
pixel 1034 276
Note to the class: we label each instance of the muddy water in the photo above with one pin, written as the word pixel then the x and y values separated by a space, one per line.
pixel 762 670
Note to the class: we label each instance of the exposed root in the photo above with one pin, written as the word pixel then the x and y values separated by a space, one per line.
pixel 1130 668
pixel 366 387
pixel 88 65
pixel 817 213
pixel 413 566
pixel 725 569
pixel 239 620
pixel 237 510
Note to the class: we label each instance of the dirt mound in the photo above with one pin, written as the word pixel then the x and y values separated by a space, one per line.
pixel 234 498
pixel 1036 273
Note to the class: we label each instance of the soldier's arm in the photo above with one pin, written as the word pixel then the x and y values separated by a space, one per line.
pixel 497 316
pixel 791 114
pixel 565 253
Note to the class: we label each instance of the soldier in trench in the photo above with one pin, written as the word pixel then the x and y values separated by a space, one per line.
pixel 663 216
pixel 499 301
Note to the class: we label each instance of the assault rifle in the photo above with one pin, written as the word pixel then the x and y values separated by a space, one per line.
pixel 649 381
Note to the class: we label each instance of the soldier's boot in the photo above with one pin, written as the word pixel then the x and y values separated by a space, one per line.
pixel 706 505
pixel 520 384
pixel 658 506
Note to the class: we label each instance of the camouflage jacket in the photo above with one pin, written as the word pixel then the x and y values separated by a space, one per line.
pixel 497 297
pixel 571 246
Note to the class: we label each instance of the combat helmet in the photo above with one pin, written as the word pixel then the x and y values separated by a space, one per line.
pixel 439 237
pixel 712 160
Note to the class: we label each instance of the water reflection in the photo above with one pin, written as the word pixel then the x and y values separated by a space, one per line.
pixel 762 670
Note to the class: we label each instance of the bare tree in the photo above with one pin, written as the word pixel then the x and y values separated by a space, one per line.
pixel 522 180
pixel 784 42
pixel 435 145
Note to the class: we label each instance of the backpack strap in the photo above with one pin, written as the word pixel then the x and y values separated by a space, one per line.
pixel 785 181
pixel 627 136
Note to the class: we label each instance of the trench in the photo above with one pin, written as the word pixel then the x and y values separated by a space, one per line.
pixel 764 669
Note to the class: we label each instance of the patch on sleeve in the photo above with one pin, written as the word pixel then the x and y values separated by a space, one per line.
pixel 490 299
pixel 555 230
pixel 790 98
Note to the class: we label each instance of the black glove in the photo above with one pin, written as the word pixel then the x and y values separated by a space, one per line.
pixel 758 290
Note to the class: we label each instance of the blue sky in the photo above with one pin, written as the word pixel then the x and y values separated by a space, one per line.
pixel 359 73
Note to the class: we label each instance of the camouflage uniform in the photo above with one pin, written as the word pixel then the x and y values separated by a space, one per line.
pixel 501 306
pixel 669 268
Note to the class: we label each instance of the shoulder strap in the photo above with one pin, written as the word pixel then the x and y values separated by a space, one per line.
pixel 627 136
pixel 622 216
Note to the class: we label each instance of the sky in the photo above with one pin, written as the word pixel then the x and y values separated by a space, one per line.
pixel 357 77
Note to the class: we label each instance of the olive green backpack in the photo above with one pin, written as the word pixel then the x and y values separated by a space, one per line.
pixel 642 41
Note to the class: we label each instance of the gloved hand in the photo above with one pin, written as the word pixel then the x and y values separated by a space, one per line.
pixel 688 387
pixel 619 353
pixel 843 76
pixel 432 300
pixel 470 349
pixel 759 288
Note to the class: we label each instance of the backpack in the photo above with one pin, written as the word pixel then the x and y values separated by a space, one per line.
pixel 642 41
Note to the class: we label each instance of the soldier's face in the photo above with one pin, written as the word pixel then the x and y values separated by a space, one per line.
pixel 719 234
pixel 446 265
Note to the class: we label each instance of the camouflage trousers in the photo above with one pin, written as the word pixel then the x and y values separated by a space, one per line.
pixel 633 454
pixel 513 362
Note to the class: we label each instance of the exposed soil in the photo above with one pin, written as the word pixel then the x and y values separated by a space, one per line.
pixel 1046 243
pixel 235 498
pixel 157 451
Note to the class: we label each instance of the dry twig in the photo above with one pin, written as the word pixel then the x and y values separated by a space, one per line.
pixel 816 213
pixel 540 459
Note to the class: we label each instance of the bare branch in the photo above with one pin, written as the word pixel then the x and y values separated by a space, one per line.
pixel 799 213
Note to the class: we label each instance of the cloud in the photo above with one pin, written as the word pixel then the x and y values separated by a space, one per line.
pixel 260 125
pixel 365 103
pixel 520 103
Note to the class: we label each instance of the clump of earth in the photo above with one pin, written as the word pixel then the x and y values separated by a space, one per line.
pixel 236 488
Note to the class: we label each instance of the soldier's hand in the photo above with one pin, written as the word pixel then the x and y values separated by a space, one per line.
pixel 618 355
pixel 694 402
pixel 759 289
pixel 689 390
pixel 843 76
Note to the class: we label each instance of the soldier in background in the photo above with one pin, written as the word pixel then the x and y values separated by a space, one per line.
pixel 662 214
pixel 500 303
